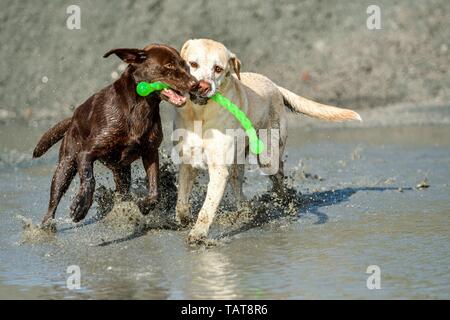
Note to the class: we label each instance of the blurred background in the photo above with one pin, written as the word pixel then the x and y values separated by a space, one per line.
pixel 320 49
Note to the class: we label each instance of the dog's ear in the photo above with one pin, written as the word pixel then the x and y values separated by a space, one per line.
pixel 235 64
pixel 184 49
pixel 129 55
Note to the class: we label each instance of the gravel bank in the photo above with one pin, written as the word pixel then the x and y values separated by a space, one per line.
pixel 320 49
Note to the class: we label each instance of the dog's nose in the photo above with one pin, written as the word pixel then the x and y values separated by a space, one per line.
pixel 193 85
pixel 204 87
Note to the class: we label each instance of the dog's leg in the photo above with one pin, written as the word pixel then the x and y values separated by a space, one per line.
pixel 186 179
pixel 83 201
pixel 122 179
pixel 274 169
pixel 62 177
pixel 278 123
pixel 150 160
pixel 237 180
pixel 278 179
pixel 218 177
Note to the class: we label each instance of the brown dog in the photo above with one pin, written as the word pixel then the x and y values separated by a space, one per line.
pixel 117 126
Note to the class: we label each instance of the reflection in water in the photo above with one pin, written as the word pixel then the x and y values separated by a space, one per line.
pixel 120 285
pixel 213 277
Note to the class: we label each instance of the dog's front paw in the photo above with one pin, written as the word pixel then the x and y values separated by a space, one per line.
pixel 197 236
pixel 147 204
pixel 49 226
pixel 184 220
pixel 79 208
pixel 183 215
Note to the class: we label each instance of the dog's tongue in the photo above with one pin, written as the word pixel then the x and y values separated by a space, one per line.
pixel 174 97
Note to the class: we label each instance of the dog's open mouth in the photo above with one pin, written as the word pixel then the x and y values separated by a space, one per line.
pixel 174 97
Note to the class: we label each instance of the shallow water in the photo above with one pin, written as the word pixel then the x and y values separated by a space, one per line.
pixel 359 207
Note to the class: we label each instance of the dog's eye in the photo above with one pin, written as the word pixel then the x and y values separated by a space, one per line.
pixel 194 64
pixel 218 69
pixel 169 65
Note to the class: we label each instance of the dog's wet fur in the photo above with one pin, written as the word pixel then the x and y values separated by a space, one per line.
pixel 117 126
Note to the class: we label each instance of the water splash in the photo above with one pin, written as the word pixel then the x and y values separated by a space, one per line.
pixel 36 234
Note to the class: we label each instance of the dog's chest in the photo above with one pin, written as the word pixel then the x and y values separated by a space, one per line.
pixel 144 124
pixel 144 132
pixel 202 148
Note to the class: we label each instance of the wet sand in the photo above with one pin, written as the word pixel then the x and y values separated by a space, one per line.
pixel 355 202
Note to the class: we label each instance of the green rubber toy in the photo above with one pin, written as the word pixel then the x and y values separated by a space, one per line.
pixel 145 88
pixel 256 145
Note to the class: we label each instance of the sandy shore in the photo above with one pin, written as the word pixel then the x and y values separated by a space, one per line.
pixel 319 49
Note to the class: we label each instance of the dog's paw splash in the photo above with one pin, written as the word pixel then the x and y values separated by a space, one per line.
pixel 262 209
pixel 205 243
pixel 125 216
pixel 122 213
pixel 34 234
